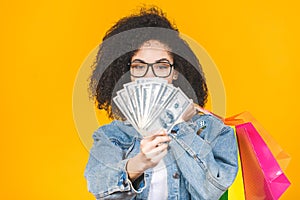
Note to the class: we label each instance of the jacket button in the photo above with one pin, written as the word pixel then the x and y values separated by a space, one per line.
pixel 176 175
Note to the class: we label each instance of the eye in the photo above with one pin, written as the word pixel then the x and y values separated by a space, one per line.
pixel 162 66
pixel 138 66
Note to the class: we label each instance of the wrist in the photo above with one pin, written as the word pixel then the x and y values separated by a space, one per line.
pixel 134 168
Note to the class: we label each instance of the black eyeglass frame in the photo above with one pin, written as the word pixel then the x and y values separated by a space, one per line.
pixel 151 65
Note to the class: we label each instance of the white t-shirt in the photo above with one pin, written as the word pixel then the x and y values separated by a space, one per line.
pixel 159 184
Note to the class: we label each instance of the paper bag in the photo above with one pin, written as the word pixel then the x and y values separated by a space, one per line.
pixel 263 177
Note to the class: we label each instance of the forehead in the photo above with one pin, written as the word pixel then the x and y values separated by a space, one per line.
pixel 152 51
pixel 154 44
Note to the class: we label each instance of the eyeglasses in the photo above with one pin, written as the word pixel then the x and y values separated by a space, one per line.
pixel 160 69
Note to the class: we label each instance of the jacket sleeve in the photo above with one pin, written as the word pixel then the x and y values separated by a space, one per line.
pixel 208 161
pixel 106 171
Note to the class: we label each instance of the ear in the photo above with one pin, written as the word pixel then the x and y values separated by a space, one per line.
pixel 175 75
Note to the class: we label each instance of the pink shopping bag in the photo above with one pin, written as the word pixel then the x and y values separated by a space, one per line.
pixel 280 155
pixel 263 177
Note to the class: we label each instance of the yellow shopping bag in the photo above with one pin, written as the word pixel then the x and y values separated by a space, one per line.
pixel 236 190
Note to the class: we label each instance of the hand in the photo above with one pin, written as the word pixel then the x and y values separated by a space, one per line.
pixel 200 109
pixel 152 149
pixel 189 113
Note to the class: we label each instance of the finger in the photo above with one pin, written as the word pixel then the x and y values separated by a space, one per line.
pixel 158 140
pixel 157 158
pixel 200 109
pixel 161 139
pixel 158 133
pixel 156 151
pixel 148 145
pixel 188 114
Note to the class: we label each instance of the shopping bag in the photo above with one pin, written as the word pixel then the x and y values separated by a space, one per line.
pixel 280 155
pixel 236 190
pixel 256 186
pixel 224 196
pixel 262 175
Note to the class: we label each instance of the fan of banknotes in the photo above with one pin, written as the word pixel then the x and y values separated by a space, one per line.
pixel 151 104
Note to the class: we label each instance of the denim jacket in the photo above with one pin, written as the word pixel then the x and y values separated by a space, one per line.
pixel 201 161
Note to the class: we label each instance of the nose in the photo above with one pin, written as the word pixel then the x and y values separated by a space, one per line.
pixel 149 73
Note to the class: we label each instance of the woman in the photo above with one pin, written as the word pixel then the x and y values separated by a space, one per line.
pixel 197 160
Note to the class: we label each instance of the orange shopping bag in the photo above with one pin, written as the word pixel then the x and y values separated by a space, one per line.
pixel 280 155
pixel 259 181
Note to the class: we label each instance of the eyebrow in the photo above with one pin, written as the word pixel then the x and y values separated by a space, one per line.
pixel 160 60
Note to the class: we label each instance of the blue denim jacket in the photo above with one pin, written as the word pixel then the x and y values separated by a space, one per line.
pixel 201 161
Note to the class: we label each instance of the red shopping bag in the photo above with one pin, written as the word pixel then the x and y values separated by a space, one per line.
pixel 263 177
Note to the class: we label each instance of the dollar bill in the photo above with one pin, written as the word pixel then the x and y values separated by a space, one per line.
pixel 121 105
pixel 156 92
pixel 170 115
pixel 146 89
pixel 127 106
pixel 129 89
pixel 151 104
pixel 166 95
pixel 132 90
pixel 148 93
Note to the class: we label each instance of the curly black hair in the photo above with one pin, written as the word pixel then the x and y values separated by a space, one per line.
pixel 122 40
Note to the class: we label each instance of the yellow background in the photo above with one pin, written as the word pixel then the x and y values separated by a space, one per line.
pixel 43 43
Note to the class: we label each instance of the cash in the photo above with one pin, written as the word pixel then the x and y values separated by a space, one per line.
pixel 151 104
